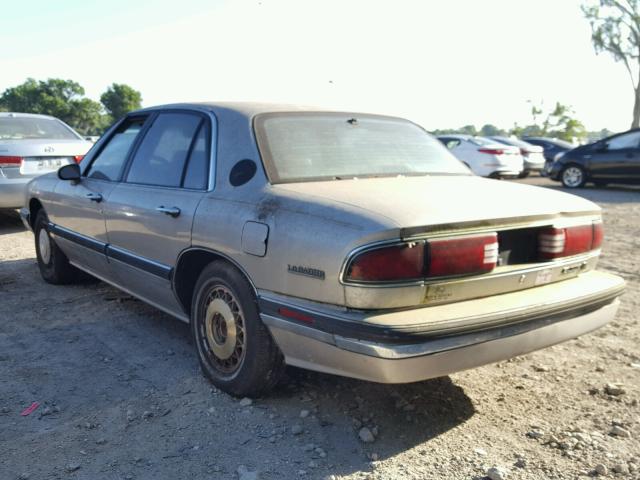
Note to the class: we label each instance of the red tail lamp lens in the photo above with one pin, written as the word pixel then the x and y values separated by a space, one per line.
pixel 460 256
pixel 399 262
pixel 598 235
pixel 7 161
pixel 437 258
pixel 491 151
pixel 565 242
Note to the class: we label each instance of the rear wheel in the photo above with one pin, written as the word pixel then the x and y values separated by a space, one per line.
pixel 573 176
pixel 235 349
pixel 523 174
pixel 53 263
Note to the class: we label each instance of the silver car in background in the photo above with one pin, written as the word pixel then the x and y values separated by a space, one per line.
pixel 532 155
pixel 347 243
pixel 32 145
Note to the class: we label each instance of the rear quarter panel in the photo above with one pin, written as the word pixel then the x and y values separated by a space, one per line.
pixel 312 234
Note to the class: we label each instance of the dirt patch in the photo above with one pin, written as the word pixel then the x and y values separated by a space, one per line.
pixel 121 395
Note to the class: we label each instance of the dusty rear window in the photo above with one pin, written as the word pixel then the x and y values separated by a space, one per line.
pixel 309 146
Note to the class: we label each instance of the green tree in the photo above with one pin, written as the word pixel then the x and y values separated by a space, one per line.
pixel 120 99
pixel 63 99
pixel 615 29
pixel 468 130
pixel 559 123
pixel 489 130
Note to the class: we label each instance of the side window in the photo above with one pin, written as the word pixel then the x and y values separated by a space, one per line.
pixel 452 143
pixel 109 162
pixel 197 174
pixel 162 155
pixel 630 140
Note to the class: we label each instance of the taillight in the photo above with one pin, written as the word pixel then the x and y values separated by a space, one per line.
pixel 462 256
pixel 78 158
pixel 565 242
pixel 398 262
pixel 6 161
pixel 434 258
pixel 491 151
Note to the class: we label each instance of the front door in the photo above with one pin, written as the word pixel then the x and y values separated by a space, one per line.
pixel 150 214
pixel 77 209
pixel 617 159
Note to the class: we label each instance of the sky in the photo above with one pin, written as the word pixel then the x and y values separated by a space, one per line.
pixel 443 64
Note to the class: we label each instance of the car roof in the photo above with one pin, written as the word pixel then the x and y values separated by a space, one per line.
pixel 247 109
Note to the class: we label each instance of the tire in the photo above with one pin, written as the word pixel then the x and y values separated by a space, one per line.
pixel 235 349
pixel 573 176
pixel 53 263
pixel 524 174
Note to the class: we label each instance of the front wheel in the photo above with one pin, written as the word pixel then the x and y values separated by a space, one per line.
pixel 573 176
pixel 235 349
pixel 53 263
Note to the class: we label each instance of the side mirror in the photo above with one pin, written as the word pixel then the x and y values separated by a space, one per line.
pixel 69 172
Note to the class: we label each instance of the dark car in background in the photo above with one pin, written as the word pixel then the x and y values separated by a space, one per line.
pixel 615 159
pixel 532 155
pixel 551 146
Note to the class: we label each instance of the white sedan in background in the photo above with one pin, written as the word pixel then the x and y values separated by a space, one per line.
pixel 533 155
pixel 485 157
pixel 32 145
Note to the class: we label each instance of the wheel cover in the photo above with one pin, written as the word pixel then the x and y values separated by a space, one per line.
pixel 44 245
pixel 224 330
pixel 572 176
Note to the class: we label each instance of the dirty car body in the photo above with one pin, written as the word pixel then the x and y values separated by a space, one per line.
pixel 367 249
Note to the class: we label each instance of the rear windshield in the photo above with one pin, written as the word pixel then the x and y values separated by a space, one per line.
pixel 298 147
pixel 482 141
pixel 24 128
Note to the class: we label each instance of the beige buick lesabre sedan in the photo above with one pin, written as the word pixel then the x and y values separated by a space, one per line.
pixel 348 243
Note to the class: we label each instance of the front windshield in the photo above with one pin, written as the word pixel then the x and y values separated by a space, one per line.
pixel 298 147
pixel 26 128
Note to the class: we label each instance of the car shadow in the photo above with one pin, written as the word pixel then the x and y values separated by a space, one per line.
pixel 10 222
pixel 98 352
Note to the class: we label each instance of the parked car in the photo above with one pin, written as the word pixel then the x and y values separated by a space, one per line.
pixel 347 243
pixel 485 157
pixel 552 147
pixel 532 155
pixel 615 159
pixel 31 145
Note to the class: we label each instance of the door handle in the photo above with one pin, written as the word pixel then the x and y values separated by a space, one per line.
pixel 173 211
pixel 94 197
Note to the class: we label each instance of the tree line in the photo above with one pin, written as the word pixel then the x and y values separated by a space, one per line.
pixel 558 122
pixel 65 99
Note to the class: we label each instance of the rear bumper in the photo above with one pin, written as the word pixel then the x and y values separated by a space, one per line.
pixel 533 166
pixel 12 191
pixel 381 348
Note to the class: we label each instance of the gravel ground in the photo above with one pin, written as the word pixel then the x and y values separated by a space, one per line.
pixel 121 395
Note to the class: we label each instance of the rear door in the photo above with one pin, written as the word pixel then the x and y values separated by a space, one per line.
pixel 77 209
pixel 150 214
pixel 617 159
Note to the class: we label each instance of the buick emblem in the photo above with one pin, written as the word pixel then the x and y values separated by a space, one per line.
pixel 49 149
